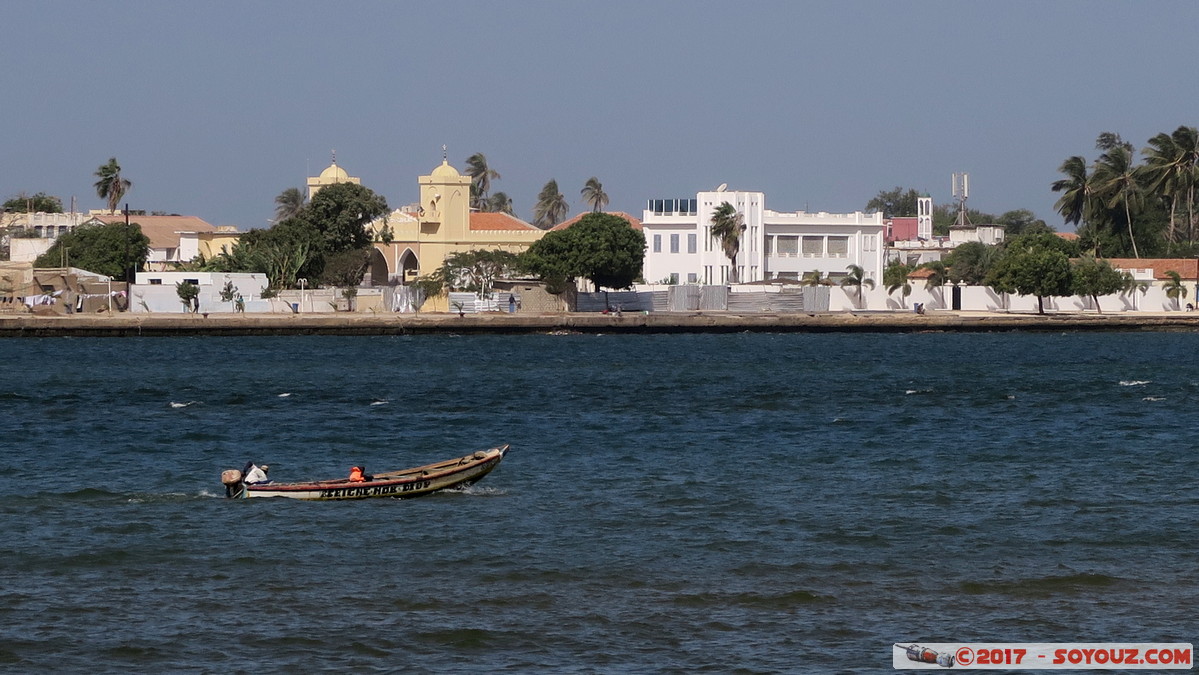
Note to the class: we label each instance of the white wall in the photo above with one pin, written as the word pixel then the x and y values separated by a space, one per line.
pixel 162 297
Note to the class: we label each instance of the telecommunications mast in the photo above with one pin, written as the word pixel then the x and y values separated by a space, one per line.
pixel 961 190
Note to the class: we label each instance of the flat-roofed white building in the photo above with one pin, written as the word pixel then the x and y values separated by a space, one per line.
pixel 774 245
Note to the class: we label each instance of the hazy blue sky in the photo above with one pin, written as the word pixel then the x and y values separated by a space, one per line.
pixel 213 108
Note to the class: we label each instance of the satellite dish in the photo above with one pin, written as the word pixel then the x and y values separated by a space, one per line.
pixel 722 187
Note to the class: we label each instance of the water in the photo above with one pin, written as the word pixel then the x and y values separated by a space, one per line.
pixel 683 503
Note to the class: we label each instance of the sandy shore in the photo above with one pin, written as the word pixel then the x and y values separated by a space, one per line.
pixel 690 322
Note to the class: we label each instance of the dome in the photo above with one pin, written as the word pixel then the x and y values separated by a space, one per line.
pixel 335 172
pixel 445 171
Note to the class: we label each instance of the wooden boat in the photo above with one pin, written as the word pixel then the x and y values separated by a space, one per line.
pixel 415 482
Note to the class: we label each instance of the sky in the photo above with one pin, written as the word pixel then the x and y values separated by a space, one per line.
pixel 213 108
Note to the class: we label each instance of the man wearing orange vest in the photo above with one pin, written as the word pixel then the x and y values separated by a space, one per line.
pixel 357 475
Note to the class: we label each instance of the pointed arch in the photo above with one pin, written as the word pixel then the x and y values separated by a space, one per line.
pixel 408 268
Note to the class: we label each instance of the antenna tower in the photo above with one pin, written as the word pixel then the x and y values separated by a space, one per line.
pixel 961 190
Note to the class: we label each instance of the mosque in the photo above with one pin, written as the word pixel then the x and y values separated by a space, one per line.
pixel 422 235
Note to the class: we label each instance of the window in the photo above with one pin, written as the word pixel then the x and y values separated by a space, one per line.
pixel 156 282
pixel 838 247
pixel 692 277
pixel 194 282
pixel 691 243
pixel 674 243
pixel 768 246
pixel 657 243
pixel 787 245
pixel 813 247
pixel 674 278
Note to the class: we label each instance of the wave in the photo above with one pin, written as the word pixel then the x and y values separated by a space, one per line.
pixel 176 404
pixel 769 601
pixel 1134 383
pixel 1068 584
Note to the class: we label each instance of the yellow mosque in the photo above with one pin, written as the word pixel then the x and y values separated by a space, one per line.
pixel 441 223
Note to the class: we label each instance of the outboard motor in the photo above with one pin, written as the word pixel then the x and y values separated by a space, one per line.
pixel 232 478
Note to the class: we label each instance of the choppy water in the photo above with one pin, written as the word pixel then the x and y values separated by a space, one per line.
pixel 687 503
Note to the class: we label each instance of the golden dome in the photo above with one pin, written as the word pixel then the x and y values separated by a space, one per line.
pixel 335 172
pixel 445 171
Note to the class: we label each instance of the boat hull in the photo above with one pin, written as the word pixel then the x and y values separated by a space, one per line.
pixel 415 482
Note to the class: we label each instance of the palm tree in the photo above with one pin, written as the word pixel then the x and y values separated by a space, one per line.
pixel 288 204
pixel 1172 172
pixel 593 194
pixel 937 278
pixel 1130 286
pixel 1074 204
pixel 727 226
pixel 895 278
pixel 1174 287
pixel 111 185
pixel 1115 182
pixel 857 278
pixel 500 202
pixel 814 278
pixel 481 176
pixel 551 206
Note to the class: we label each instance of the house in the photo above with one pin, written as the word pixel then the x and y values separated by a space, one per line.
pixel 173 239
pixel 774 245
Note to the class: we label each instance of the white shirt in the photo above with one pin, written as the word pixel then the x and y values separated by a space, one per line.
pixel 256 475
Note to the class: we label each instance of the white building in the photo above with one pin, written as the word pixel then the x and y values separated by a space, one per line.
pixel 680 248
pixel 156 291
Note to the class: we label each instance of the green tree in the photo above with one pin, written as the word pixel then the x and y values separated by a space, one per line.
pixel 1129 287
pixel 1174 288
pixel 600 247
pixel 1115 184
pixel 1093 278
pixel 1075 203
pixel 228 292
pixel 345 268
pixel 481 176
pixel 111 249
pixel 970 262
pixel 111 186
pixel 1019 221
pixel 856 279
pixel 477 270
pixel 289 204
pixel 37 203
pixel 895 278
pixel 727 226
pixel 1171 171
pixel 341 213
pixel 937 278
pixel 593 194
pixel 551 207
pixel 894 203
pixel 815 278
pixel 189 295
pixel 1032 270
pixel 500 202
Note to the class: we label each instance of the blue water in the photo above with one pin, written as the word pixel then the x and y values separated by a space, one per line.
pixel 682 503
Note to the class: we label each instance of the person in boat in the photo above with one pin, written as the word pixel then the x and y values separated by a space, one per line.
pixel 357 474
pixel 256 474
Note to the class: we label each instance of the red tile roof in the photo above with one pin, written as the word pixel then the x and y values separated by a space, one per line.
pixel 162 231
pixel 1068 236
pixel 497 221
pixel 1187 268
pixel 635 222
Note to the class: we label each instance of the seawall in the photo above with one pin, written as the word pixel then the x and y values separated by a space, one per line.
pixel 125 325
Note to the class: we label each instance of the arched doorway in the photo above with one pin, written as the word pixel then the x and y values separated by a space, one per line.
pixel 376 269
pixel 409 267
